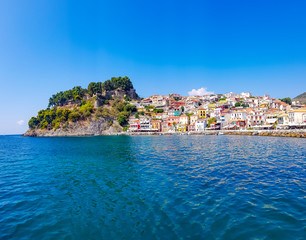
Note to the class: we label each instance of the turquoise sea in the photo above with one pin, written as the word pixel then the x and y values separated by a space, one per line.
pixel 152 187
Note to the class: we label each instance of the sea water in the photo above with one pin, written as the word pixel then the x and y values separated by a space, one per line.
pixel 152 187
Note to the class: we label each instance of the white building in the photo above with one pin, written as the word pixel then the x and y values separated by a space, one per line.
pixel 230 95
pixel 246 94
pixel 238 115
pixel 271 118
pixel 216 113
pixel 145 125
pixel 184 119
pixel 200 125
pixel 297 116
pixel 255 118
pixel 193 119
pixel 266 97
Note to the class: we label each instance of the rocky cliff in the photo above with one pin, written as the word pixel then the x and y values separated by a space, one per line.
pixel 80 128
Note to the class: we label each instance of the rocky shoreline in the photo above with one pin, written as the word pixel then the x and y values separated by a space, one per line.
pixel 77 129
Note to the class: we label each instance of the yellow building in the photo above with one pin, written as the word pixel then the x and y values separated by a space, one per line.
pixel 264 105
pixel 202 113
pixel 212 106
pixel 156 125
pixel 181 127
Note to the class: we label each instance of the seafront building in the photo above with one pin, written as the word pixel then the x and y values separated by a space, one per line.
pixel 230 111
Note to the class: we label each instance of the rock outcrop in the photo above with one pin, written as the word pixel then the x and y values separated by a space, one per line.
pixel 86 112
pixel 80 128
pixel 115 94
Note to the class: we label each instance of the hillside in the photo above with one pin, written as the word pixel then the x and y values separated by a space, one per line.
pixel 101 108
pixel 301 98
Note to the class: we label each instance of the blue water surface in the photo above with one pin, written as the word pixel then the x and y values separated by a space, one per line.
pixel 152 187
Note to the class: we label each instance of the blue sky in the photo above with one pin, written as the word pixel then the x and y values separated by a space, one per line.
pixel 163 46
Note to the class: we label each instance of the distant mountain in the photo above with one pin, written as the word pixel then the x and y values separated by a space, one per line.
pixel 301 98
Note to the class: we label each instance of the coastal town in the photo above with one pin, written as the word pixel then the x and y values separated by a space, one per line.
pixel 113 107
pixel 230 111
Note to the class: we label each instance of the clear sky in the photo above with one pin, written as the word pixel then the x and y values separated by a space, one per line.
pixel 163 46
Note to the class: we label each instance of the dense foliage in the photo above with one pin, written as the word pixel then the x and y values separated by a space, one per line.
pixel 241 104
pixel 158 110
pixel 54 116
pixel 50 118
pixel 211 120
pixel 61 98
pixel 78 93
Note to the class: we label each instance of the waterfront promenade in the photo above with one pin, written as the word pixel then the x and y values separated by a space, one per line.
pixel 277 133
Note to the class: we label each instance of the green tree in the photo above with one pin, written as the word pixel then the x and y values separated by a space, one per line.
pixel 130 108
pixel 287 100
pixel 59 113
pixel 33 122
pixel 41 115
pixel 77 97
pixel 94 88
pixel 65 115
pixel 87 109
pixel 123 118
pixel 211 120
pixel 148 107
pixel 74 116
pixel 43 124
pixel 78 91
pixel 157 110
pixel 55 124
pixel 245 105
pixel 102 112
pixel 125 129
pixel 50 115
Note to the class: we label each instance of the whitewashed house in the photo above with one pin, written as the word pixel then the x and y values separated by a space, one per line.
pixel 200 125
pixel 297 116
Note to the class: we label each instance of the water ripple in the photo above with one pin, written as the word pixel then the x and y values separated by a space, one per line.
pixel 152 187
